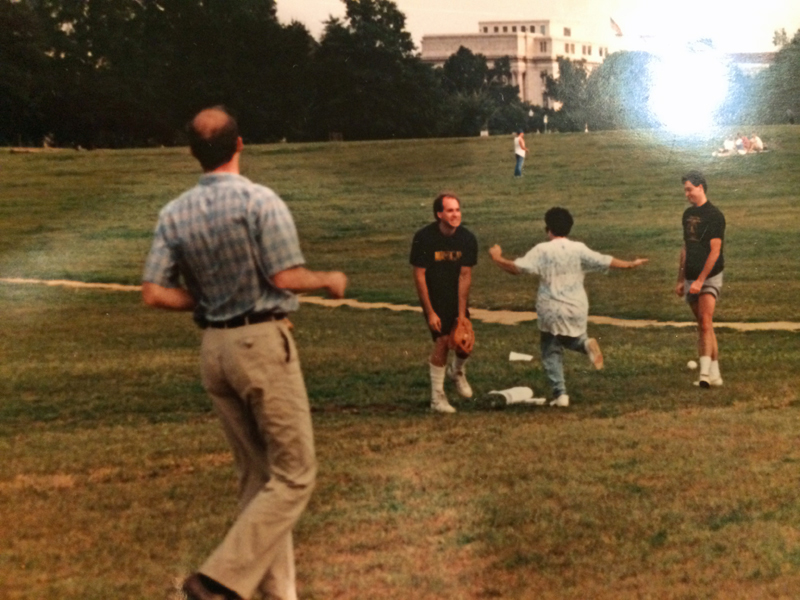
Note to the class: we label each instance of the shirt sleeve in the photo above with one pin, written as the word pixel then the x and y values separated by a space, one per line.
pixel 594 261
pixel 277 241
pixel 470 258
pixel 716 227
pixel 529 263
pixel 419 257
pixel 161 266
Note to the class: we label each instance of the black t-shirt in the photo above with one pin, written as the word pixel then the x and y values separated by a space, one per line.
pixel 442 258
pixel 701 224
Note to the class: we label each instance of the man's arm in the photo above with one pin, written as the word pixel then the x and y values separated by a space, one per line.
pixel 300 279
pixel 626 264
pixel 170 298
pixel 679 285
pixel 434 322
pixel 713 255
pixel 496 252
pixel 464 284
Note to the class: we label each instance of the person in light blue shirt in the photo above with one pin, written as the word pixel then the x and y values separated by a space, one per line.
pixel 227 250
pixel 562 305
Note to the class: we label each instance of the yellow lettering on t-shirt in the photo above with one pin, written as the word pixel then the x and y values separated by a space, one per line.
pixel 448 255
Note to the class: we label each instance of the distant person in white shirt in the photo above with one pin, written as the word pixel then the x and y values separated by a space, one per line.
pixel 520 150
pixel 562 305
pixel 756 145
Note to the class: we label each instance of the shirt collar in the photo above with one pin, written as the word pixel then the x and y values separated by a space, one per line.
pixel 212 178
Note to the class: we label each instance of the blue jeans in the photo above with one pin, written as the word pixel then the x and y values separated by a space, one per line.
pixel 552 347
pixel 518 167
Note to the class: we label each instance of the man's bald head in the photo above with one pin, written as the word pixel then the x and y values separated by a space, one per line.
pixel 213 137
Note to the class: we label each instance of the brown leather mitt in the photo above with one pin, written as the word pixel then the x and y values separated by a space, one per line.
pixel 462 337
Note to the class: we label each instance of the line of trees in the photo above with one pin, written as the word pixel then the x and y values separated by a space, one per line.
pixel 114 73
pixel 119 73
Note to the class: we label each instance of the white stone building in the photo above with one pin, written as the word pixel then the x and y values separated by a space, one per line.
pixel 532 47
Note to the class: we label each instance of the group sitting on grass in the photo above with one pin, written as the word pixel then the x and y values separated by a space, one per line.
pixel 740 144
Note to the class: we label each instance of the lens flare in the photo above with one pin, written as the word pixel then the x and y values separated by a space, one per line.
pixel 688 86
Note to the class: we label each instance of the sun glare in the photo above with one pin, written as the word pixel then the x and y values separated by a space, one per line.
pixel 688 86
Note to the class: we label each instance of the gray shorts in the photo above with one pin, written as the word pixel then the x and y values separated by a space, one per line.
pixel 712 285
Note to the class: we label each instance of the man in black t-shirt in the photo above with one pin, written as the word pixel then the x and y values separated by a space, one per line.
pixel 700 271
pixel 443 254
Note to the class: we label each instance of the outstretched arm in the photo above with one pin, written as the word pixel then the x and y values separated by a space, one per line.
pixel 616 263
pixel 163 297
pixel 496 252
pixel 300 279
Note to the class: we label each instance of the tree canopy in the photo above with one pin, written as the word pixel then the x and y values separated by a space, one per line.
pixel 113 73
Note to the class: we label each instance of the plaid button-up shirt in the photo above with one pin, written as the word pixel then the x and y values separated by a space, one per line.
pixel 224 239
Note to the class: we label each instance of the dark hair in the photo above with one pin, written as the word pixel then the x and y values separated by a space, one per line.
pixel 558 221
pixel 214 147
pixel 438 203
pixel 696 178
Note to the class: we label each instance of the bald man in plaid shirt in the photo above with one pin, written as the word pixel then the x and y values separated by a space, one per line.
pixel 228 250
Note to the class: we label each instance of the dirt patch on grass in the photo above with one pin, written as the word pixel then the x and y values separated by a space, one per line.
pixel 501 317
pixel 66 481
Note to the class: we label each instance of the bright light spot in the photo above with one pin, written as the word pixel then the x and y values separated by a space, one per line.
pixel 687 88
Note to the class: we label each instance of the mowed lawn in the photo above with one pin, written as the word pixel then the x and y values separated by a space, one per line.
pixel 116 480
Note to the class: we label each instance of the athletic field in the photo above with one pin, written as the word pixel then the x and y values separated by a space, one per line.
pixel 117 481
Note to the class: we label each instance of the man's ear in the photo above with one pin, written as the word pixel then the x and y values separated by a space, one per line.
pixel 239 144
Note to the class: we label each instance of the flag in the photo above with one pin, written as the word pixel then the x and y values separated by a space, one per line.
pixel 615 28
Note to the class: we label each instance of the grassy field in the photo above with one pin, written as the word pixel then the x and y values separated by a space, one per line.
pixel 116 480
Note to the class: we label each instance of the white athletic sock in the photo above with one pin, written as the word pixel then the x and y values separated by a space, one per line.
pixel 705 365
pixel 714 370
pixel 458 363
pixel 437 378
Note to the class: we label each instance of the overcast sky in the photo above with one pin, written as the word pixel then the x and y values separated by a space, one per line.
pixel 733 25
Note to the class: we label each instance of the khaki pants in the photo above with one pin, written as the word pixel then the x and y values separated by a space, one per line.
pixel 253 376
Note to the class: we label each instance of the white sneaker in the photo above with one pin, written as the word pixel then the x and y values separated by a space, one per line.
pixel 706 382
pixel 460 379
pixel 562 400
pixel 440 404
pixel 595 355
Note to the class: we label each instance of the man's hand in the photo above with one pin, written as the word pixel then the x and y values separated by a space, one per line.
pixel 696 286
pixel 679 287
pixel 337 283
pixel 637 262
pixel 434 322
pixel 496 252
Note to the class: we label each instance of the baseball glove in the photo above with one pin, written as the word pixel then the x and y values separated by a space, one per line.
pixel 462 337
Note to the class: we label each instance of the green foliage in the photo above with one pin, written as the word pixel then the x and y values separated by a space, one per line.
pixel 129 73
pixel 22 72
pixel 778 91
pixel 367 82
pixel 465 72
pixel 780 38
pixel 569 89
pixel 480 97
pixel 618 92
